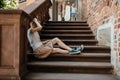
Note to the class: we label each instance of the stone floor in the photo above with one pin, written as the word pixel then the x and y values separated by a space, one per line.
pixel 68 76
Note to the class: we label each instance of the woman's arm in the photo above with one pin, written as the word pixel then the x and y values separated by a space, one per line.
pixel 39 26
pixel 45 41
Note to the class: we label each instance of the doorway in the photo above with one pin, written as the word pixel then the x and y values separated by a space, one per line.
pixel 59 9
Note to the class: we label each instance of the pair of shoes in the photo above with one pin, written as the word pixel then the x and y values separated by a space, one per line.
pixel 72 52
pixel 80 48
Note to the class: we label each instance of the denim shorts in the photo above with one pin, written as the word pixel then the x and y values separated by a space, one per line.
pixel 73 15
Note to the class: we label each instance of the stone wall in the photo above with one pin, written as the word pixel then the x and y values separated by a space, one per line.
pixel 104 12
pixel 84 10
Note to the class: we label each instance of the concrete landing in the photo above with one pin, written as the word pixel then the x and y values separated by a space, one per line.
pixel 68 76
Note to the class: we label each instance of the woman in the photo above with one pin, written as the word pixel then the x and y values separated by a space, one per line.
pixel 44 49
pixel 73 12
pixel 67 11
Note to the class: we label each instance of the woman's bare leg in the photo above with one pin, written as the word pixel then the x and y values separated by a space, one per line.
pixel 58 50
pixel 72 18
pixel 60 43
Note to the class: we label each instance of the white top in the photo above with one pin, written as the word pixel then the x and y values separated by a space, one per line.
pixel 73 10
pixel 34 39
pixel 51 1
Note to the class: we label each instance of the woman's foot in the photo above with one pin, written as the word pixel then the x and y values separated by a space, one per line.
pixel 80 48
pixel 72 52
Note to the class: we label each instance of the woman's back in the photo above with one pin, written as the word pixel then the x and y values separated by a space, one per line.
pixel 34 39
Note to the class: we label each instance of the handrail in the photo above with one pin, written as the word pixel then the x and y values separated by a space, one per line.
pixel 31 8
pixel 39 9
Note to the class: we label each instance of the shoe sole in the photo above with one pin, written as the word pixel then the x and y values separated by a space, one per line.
pixel 75 52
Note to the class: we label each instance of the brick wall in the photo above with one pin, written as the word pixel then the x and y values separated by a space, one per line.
pixel 99 13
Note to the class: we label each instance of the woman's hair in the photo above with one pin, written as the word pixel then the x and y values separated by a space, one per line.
pixel 34 24
pixel 67 2
pixel 73 4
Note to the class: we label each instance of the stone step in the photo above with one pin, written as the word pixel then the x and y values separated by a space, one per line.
pixel 87 49
pixel 93 59
pixel 66 28
pixel 70 67
pixel 69 24
pixel 68 36
pixel 66 31
pixel 75 42
pixel 83 57
pixel 69 76
pixel 94 49
pixel 66 23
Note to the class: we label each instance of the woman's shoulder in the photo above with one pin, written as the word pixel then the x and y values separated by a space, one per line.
pixel 28 31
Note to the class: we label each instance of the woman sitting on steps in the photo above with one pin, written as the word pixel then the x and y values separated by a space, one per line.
pixel 44 49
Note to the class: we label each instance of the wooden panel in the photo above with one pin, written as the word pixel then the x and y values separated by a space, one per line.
pixel 13 39
pixel 0 43
pixel 7 44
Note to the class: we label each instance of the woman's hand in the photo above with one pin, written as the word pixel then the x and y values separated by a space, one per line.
pixel 45 41
pixel 35 19
pixel 37 27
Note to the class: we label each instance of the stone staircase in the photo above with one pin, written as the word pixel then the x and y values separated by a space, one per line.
pixel 92 64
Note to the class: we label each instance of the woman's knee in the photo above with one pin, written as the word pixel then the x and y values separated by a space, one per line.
pixel 56 39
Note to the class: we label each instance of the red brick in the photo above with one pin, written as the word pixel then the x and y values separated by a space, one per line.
pixel 119 25
pixel 118 19
pixel 116 27
pixel 101 9
pixel 110 4
pixel 115 49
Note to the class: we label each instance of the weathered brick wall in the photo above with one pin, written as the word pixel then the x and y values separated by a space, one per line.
pixel 99 13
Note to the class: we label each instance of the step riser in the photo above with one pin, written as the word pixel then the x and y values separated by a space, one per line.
pixel 89 50
pixel 57 24
pixel 52 28
pixel 93 50
pixel 79 43
pixel 68 37
pixel 63 69
pixel 79 59
pixel 66 24
pixel 45 32
pixel 96 51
